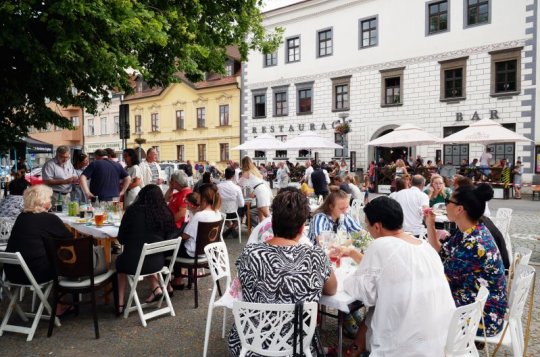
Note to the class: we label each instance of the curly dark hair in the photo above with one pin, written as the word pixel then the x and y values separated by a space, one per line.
pixel 157 215
pixel 290 210
pixel 133 155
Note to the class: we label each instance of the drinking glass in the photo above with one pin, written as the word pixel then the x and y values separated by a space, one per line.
pixel 335 255
pixel 99 217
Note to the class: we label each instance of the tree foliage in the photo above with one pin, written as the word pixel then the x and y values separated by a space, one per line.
pixel 74 52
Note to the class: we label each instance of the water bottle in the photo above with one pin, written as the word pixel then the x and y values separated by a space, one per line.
pixel 59 202
pixel 341 230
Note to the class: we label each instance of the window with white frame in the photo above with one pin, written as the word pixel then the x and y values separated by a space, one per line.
pixel 75 121
pixel 154 119
pixel 90 127
pixel 224 115
pixel 116 124
pixel 138 124
pixel 180 154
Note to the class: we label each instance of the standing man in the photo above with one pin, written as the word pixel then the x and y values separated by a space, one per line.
pixel 413 201
pixel 150 169
pixel 307 173
pixel 232 198
pixel 105 176
pixel 485 160
pixel 319 181
pixel 59 174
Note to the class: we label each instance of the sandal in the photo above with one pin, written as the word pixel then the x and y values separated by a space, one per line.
pixel 156 297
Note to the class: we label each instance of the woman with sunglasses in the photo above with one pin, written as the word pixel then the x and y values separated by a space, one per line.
pixel 470 257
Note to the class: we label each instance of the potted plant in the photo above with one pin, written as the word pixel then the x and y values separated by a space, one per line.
pixel 140 141
pixel 342 128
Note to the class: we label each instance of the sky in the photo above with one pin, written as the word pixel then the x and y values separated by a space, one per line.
pixel 273 4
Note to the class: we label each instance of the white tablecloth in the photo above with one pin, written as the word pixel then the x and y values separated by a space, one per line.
pixel 341 300
pixel 96 232
pixel 441 218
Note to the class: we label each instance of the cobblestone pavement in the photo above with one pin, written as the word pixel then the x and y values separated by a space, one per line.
pixel 183 335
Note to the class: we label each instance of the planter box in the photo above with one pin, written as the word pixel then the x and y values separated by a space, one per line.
pixel 383 189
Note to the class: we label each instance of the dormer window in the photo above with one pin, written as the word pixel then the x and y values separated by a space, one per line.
pixel 229 67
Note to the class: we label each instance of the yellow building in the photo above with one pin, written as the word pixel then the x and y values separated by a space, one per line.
pixel 189 121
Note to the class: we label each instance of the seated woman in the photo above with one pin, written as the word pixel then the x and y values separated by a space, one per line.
pixel 32 227
pixel 326 217
pixel 12 205
pixel 147 220
pixel 470 256
pixel 436 191
pixel 176 196
pixel 210 202
pixel 281 270
pixel 403 279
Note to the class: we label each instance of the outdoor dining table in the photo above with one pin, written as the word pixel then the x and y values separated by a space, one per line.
pixel 104 235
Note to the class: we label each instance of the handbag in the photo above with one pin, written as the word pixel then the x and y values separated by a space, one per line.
pixel 99 260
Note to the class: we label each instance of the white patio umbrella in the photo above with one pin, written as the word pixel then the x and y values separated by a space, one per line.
pixel 309 140
pixel 405 135
pixel 485 131
pixel 262 142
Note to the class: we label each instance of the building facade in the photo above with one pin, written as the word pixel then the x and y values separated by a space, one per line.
pixel 58 136
pixel 189 121
pixel 440 65
pixel 102 130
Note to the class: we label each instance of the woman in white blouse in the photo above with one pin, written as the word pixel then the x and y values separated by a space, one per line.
pixel 401 279
pixel 252 178
pixel 134 171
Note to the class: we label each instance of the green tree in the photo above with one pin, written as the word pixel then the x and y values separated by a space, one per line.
pixel 73 52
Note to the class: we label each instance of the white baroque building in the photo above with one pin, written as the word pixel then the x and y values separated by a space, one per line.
pixel 103 129
pixel 381 63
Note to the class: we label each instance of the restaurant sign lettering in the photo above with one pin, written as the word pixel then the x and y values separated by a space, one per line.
pixel 294 127
pixel 493 114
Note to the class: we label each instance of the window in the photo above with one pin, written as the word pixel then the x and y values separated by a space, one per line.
pixel 224 115
pixel 259 106
pixel 260 155
pixel 368 32
pixel 75 121
pixel 477 12
pixel 229 68
pixel 506 72
pixel 116 125
pixel 103 126
pixel 201 149
pixel 180 120
pixel 340 93
pixel 343 141
pixel 201 117
pixel 180 155
pixel 504 150
pixel 138 122
pixel 280 104
pixel 90 130
pixel 154 119
pixel 281 154
pixel 223 152
pixel 455 153
pixel 270 59
pixel 292 49
pixel 392 87
pixel 304 101
pixel 437 14
pixel 453 79
pixel 325 43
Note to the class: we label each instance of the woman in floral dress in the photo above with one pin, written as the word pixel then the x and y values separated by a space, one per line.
pixel 471 257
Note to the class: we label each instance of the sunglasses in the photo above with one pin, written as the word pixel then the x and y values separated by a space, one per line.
pixel 447 201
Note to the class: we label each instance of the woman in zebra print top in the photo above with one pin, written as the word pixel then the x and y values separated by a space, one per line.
pixel 281 270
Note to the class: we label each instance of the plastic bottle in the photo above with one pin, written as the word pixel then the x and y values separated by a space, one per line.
pixel 341 230
pixel 59 202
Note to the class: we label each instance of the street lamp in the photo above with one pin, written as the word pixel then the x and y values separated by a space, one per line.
pixel 343 116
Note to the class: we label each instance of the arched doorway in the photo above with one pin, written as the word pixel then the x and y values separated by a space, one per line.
pixel 388 154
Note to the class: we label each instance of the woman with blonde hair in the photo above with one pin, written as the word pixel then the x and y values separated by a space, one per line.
pixel 28 237
pixel 326 218
pixel 437 191
pixel 401 168
pixel 252 178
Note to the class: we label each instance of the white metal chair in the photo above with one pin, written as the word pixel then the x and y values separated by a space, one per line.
pixel 463 327
pixel 521 284
pixel 267 329
pixel 42 291
pixel 6 225
pixel 357 209
pixel 504 212
pixel 133 280
pixel 522 255
pixel 230 207
pixel 503 225
pixel 218 263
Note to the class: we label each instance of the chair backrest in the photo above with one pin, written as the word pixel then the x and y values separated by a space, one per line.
pixel 521 284
pixel 159 247
pixel 6 225
pixel 503 225
pixel 207 232
pixel 71 258
pixel 228 206
pixel 522 255
pixel 464 325
pixel 504 212
pixel 356 209
pixel 218 261
pixel 255 321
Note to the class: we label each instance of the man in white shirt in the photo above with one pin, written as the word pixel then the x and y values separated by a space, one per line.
pixel 307 173
pixel 58 173
pixel 413 200
pixel 150 169
pixel 485 160
pixel 232 199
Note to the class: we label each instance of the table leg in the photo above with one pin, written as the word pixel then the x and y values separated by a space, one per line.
pixel 248 216
pixel 340 333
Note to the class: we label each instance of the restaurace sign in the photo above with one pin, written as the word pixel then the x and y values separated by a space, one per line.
pixel 493 114
pixel 292 128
